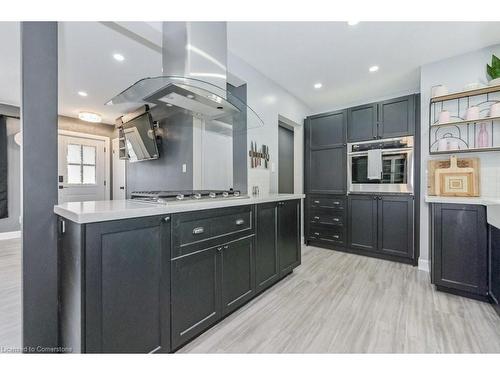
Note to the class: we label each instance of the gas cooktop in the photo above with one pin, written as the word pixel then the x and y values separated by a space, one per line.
pixel 184 195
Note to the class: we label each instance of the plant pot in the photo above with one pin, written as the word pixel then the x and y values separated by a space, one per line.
pixel 495 82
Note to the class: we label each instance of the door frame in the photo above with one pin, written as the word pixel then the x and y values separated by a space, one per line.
pixel 107 153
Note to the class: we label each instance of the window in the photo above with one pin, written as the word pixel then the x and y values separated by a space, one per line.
pixel 81 162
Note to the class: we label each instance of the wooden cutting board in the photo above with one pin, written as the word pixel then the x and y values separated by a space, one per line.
pixel 445 163
pixel 456 181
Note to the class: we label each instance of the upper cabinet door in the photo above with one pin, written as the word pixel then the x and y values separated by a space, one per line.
pixel 328 130
pixel 327 170
pixel 362 123
pixel 397 117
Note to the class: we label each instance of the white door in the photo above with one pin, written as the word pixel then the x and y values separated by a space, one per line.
pixel 82 169
pixel 118 172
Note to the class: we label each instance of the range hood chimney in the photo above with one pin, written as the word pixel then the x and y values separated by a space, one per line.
pixel 196 50
pixel 194 60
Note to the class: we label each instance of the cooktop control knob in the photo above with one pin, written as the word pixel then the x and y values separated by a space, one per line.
pixel 180 197
pixel 212 194
pixel 197 196
pixel 225 194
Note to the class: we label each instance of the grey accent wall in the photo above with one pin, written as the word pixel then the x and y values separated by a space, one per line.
pixel 166 173
pixel 39 59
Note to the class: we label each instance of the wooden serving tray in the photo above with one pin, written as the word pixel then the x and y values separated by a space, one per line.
pixel 455 178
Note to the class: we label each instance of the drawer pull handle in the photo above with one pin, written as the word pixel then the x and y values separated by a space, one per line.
pixel 336 219
pixel 336 203
pixel 198 230
pixel 240 222
pixel 316 217
pixel 316 233
pixel 336 236
pixel 317 202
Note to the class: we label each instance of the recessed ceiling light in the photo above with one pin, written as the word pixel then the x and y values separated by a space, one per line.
pixel 118 57
pixel 82 93
pixel 89 117
pixel 352 23
pixel 373 68
pixel 318 85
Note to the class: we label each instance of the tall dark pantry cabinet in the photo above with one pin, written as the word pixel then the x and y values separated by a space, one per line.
pixel 381 225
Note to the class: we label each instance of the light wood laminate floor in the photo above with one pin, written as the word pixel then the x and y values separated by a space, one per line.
pixel 10 294
pixel 334 302
pixel 343 303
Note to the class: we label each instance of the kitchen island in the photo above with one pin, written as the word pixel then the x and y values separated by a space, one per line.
pixel 140 277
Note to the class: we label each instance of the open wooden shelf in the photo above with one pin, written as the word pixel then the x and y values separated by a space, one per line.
pixel 482 149
pixel 486 119
pixel 464 94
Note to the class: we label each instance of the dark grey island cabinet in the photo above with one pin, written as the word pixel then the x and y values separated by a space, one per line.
pixel 152 284
pixel 114 286
pixel 459 251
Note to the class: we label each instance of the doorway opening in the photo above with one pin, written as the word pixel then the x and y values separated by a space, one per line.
pixel 285 158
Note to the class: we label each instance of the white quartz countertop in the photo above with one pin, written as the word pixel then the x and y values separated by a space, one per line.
pixel 463 200
pixel 96 211
pixel 492 205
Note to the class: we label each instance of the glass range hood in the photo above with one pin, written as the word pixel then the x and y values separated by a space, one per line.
pixel 169 95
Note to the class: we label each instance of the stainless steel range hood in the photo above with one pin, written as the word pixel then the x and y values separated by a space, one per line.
pixel 194 56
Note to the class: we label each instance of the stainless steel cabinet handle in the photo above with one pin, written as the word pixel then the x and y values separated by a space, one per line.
pixel 226 247
pixel 336 202
pixel 316 233
pixel 166 219
pixel 317 202
pixel 336 219
pixel 240 222
pixel 336 236
pixel 316 217
pixel 219 249
pixel 198 230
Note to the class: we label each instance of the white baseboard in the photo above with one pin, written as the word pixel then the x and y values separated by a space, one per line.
pixel 423 265
pixel 10 235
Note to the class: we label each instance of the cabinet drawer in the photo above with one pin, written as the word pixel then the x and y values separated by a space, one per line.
pixel 326 217
pixel 337 203
pixel 232 223
pixel 192 231
pixel 327 233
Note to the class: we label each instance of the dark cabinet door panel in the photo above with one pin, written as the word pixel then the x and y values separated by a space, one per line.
pixel 195 294
pixel 362 222
pixel 362 123
pixel 327 170
pixel 495 264
pixel 460 247
pixel 127 285
pixel 395 225
pixel 289 235
pixel 266 250
pixel 328 130
pixel 397 117
pixel 238 284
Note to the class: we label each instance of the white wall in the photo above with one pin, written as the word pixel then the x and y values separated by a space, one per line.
pixel 454 73
pixel 270 101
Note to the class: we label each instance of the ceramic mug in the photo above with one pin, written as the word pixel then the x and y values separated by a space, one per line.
pixel 444 117
pixel 439 90
pixel 495 110
pixel 472 113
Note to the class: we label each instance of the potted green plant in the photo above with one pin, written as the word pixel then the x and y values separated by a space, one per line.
pixel 494 71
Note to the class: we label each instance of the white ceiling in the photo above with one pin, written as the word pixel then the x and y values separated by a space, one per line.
pixel 295 55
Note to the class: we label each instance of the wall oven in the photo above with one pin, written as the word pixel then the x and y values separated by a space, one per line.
pixel 383 165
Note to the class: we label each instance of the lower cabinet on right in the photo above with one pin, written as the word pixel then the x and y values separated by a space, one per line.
pixel 382 225
pixel 460 249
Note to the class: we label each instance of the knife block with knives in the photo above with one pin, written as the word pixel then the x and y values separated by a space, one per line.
pixel 258 157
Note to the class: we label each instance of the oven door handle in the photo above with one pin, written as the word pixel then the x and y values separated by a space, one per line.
pixel 391 151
